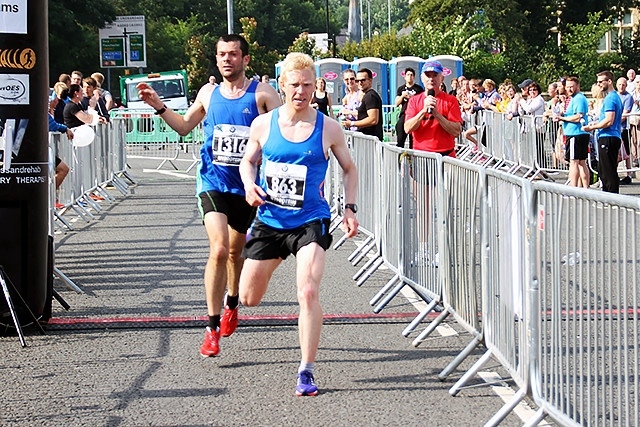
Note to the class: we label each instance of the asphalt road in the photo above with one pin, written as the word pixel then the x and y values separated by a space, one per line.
pixel 126 353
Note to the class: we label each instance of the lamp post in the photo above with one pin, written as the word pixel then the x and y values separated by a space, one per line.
pixel 328 35
pixel 230 16
pixel 361 23
pixel 369 16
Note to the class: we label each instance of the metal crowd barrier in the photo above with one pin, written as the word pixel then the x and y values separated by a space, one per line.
pixel 333 193
pixel 365 153
pixel 92 169
pixel 526 145
pixel 408 211
pixel 508 253
pixel 586 316
pixel 148 136
pixel 542 274
pixel 390 114
pixel 461 264
pixel 419 227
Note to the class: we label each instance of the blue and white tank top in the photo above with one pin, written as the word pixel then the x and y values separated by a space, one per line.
pixel 226 130
pixel 292 174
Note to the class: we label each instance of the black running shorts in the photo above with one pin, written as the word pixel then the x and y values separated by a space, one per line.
pixel 239 213
pixel 264 242
pixel 577 147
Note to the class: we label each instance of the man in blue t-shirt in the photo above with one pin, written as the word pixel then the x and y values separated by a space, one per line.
pixel 577 140
pixel 608 133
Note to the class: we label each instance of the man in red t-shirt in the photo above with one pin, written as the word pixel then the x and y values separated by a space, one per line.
pixel 433 116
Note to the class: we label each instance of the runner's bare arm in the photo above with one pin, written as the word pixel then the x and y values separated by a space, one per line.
pixel 251 160
pixel 267 98
pixel 181 124
pixel 334 140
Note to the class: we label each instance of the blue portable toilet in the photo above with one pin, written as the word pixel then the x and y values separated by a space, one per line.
pixel 331 69
pixel 452 67
pixel 380 69
pixel 278 68
pixel 396 72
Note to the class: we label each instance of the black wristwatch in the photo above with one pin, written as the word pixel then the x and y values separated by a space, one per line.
pixel 162 110
pixel 352 206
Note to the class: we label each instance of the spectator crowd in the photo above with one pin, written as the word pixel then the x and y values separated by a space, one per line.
pixel 75 101
pixel 602 127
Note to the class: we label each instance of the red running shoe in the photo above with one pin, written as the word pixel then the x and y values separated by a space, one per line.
pixel 59 205
pixel 229 320
pixel 210 346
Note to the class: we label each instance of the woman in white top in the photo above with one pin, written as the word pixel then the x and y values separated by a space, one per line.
pixel 352 98
pixel 535 106
pixel 634 121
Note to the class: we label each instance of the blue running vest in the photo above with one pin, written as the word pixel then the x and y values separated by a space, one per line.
pixel 292 174
pixel 226 130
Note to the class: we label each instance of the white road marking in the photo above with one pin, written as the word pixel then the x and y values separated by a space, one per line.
pixel 176 174
pixel 446 331
pixel 506 393
pixel 370 255
pixel 443 329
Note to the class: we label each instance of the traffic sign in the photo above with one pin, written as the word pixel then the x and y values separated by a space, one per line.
pixel 136 47
pixel 123 43
pixel 112 53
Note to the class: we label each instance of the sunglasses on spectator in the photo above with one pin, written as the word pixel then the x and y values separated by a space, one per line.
pixel 601 81
pixel 360 80
pixel 532 89
pixel 347 79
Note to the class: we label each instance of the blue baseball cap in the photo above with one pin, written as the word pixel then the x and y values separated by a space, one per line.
pixel 432 66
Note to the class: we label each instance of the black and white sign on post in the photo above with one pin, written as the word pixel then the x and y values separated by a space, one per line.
pixel 24 162
pixel 123 43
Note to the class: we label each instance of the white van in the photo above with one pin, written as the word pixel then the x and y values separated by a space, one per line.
pixel 171 86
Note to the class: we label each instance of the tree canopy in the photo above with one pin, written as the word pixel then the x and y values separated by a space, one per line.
pixel 496 39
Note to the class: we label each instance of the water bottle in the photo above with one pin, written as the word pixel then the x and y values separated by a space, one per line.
pixel 572 259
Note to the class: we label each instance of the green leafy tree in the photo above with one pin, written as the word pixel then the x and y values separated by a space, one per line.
pixel 279 22
pixel 376 13
pixel 338 14
pixel 578 11
pixel 262 60
pixel 306 45
pixel 385 46
pixel 578 50
pixel 463 38
pixel 73 34
pixel 519 27
pixel 466 38
pixel 197 66
pixel 436 11
pixel 154 10
pixel 168 42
